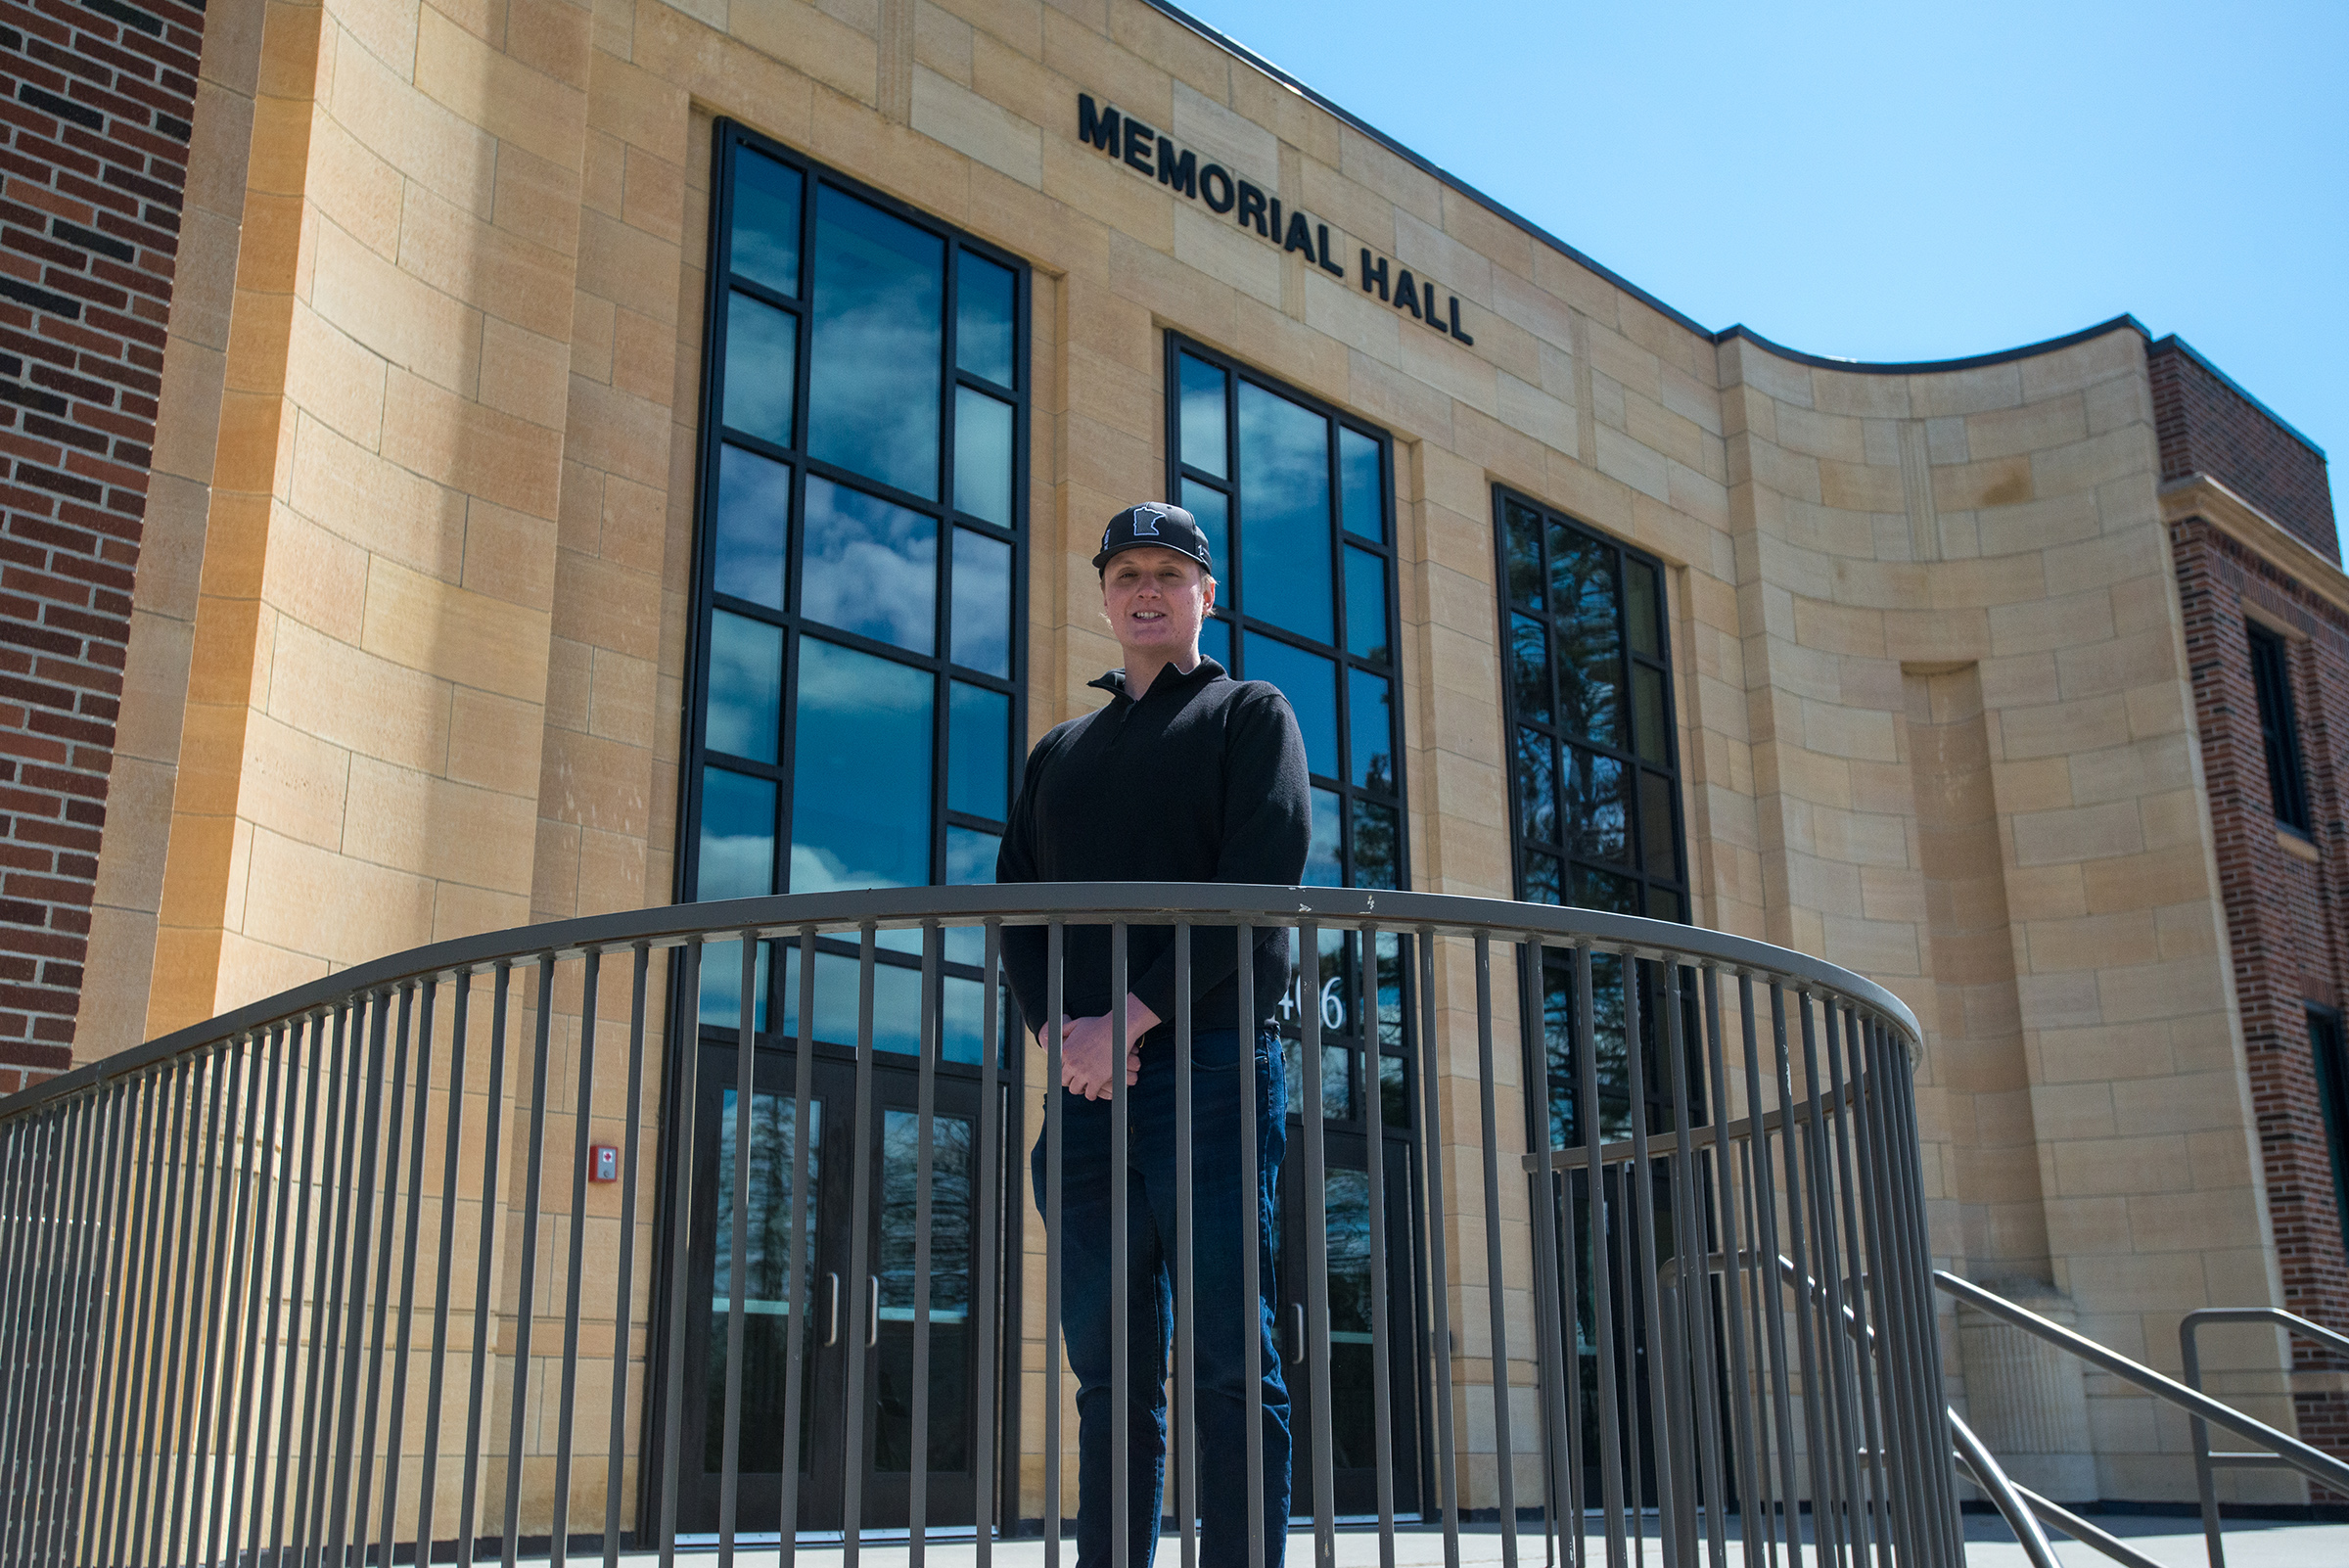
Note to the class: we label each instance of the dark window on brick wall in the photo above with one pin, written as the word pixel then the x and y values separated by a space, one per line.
pixel 2332 1088
pixel 2279 731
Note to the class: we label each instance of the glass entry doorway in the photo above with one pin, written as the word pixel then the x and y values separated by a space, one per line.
pixel 776 1307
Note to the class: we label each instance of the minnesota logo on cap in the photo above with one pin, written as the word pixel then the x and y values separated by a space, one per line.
pixel 1155 523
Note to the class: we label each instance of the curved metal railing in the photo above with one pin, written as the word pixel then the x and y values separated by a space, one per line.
pixel 404 1256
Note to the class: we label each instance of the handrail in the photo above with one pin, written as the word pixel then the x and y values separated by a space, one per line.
pixel 2206 1486
pixel 2061 1517
pixel 1992 1479
pixel 1016 905
pixel 2301 1456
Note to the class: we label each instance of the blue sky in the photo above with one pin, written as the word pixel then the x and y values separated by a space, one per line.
pixel 1898 182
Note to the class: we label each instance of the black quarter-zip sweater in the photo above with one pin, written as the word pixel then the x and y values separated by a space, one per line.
pixel 1202 780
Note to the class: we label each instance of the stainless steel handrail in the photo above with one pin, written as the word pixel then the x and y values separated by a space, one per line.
pixel 223 1265
pixel 2206 1487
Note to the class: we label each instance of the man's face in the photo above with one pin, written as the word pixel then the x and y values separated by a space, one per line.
pixel 1156 599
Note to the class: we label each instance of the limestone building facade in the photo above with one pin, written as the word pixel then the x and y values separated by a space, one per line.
pixel 478 522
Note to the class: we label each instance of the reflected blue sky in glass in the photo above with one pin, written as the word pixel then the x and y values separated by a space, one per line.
pixel 1284 513
pixel 1212 513
pixel 1322 868
pixel 1311 685
pixel 970 862
pixel 860 772
pixel 1214 641
pixel 1204 438
pixel 879 325
pixel 1363 502
pixel 745 686
pixel 978 751
pixel 870 567
pixel 753 526
pixel 983 299
pixel 982 632
pixel 1370 731
pixel 1365 605
pixel 761 368
pixel 767 221
pixel 897 1002
pixel 721 983
pixel 738 836
pixel 983 456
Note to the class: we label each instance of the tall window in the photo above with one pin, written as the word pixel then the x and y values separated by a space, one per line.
pixel 1594 781
pixel 2279 731
pixel 2332 1089
pixel 854 689
pixel 1294 499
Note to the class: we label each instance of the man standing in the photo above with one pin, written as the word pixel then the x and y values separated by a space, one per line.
pixel 1187 776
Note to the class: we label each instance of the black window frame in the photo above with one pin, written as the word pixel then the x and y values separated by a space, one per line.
pixel 729 140
pixel 2330 1058
pixel 1627 752
pixel 2279 724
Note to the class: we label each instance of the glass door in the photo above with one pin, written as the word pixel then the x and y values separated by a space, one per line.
pixel 829 1335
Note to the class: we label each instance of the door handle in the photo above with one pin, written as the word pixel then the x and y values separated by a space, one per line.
pixel 1296 1331
pixel 872 1321
pixel 832 1317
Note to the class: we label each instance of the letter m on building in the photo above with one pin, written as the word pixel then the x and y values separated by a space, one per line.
pixel 1097 126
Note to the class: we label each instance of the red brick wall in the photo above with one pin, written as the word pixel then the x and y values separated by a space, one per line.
pixel 93 160
pixel 2205 425
pixel 2287 919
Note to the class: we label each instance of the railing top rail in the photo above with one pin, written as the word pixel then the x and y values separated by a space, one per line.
pixel 2290 1323
pixel 1025 903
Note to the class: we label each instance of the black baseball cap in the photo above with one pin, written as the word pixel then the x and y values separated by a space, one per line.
pixel 1154 523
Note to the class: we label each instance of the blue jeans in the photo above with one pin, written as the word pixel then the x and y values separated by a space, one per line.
pixel 1223 1319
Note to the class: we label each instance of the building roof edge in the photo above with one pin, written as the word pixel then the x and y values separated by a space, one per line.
pixel 2154 346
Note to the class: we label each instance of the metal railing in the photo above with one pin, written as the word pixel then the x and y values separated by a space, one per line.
pixel 337 1279
pixel 2283 1450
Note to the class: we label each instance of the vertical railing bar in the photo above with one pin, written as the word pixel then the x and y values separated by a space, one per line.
pixel 525 1304
pixel 1836 1341
pixel 333 1238
pixel 307 1057
pixel 1121 1284
pixel 230 1368
pixel 1934 1438
pixel 800 1323
pixel 1184 1264
pixel 396 1420
pixel 738 1243
pixel 1893 1371
pixel 95 1315
pixel 347 1445
pixel 92 1265
pixel 1623 1243
pixel 195 1293
pixel 991 1202
pixel 1770 1288
pixel 29 1341
pixel 1376 1139
pixel 39 1443
pixel 1557 1292
pixel 685 1111
pixel 428 1483
pixel 1847 1021
pixel 1725 1188
pixel 485 1265
pixel 917 1459
pixel 1504 1448
pixel 631 1132
pixel 583 1127
pixel 1833 1467
pixel 239 1502
pixel 1696 1288
pixel 860 1214
pixel 1050 1031
pixel 163 1096
pixel 17 1144
pixel 156 1387
pixel 1825 1541
pixel 1753 1284
pixel 131 1186
pixel 1439 1231
pixel 1640 1174
pixel 1317 1250
pixel 1252 1236
pixel 1611 1456
pixel 395 1130
pixel 1917 1459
